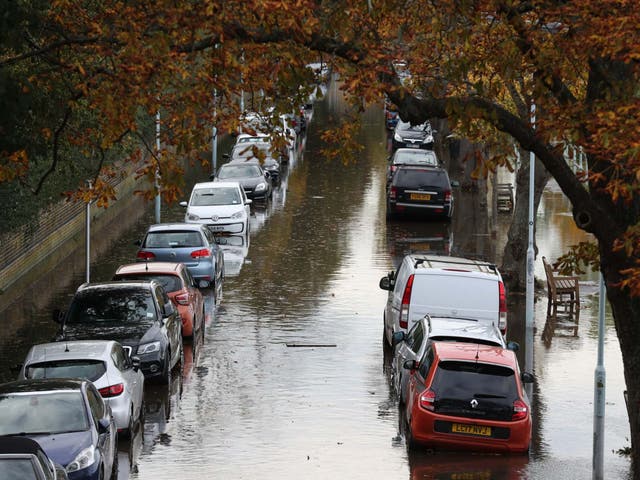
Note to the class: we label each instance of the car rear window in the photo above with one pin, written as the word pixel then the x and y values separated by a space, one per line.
pixel 463 380
pixel 173 239
pixel 239 171
pixel 418 178
pixel 425 157
pixel 90 369
pixel 112 306
pixel 170 283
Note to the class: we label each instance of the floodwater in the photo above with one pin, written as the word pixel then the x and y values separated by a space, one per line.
pixel 290 380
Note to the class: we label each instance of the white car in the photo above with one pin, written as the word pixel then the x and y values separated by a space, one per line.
pixel 221 206
pixel 106 363
pixel 411 345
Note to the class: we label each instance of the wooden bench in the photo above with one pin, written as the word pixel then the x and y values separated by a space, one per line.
pixel 504 197
pixel 564 292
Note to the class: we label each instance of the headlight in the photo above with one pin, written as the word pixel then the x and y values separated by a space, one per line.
pixel 238 214
pixel 397 137
pixel 85 458
pixel 148 348
pixel 192 217
pixel 260 187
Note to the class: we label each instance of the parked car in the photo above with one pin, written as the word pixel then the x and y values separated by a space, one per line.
pixel 411 156
pixel 420 190
pixel 255 181
pixel 391 116
pixel 106 363
pixel 256 151
pixel 24 459
pixel 192 244
pixel 179 285
pixel 465 396
pixel 406 135
pixel 221 206
pixel 411 345
pixel 70 421
pixel 138 314
pixel 443 286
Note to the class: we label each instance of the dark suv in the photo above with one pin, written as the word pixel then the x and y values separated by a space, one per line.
pixel 138 314
pixel 420 190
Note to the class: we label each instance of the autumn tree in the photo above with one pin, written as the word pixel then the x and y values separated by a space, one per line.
pixel 475 63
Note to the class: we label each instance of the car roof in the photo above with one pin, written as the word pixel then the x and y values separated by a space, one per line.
pixel 216 185
pixel 76 349
pixel 151 267
pixel 16 444
pixel 42 385
pixel 176 226
pixel 444 262
pixel 467 351
pixel 120 284
pixel 463 328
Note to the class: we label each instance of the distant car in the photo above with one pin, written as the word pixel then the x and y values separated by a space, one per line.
pixel 24 459
pixel 411 156
pixel 104 362
pixel 255 181
pixel 221 206
pixel 420 190
pixel 411 345
pixel 192 244
pixel 390 115
pixel 470 397
pixel 179 285
pixel 70 421
pixel 406 135
pixel 257 150
pixel 138 314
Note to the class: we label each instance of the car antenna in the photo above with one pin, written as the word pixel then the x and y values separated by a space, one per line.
pixel 66 346
pixel 146 264
pixel 477 353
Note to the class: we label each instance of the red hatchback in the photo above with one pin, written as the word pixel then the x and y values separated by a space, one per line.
pixel 179 285
pixel 465 396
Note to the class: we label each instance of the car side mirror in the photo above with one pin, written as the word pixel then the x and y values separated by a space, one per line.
pixel 455 183
pixel 385 283
pixel 183 204
pixel 103 425
pixel 57 316
pixel 411 365
pixel 527 377
pixel 226 156
pixel 248 202
pixel 135 363
pixel 398 337
pixel 513 346
pixel 203 284
pixel 138 243
pixel 169 309
pixel 212 176
pixel 16 368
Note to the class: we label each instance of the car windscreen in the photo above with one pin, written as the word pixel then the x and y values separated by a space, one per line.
pixel 215 196
pixel 112 306
pixel 406 126
pixel 90 369
pixel 463 380
pixel 17 469
pixel 418 178
pixel 45 413
pixel 173 239
pixel 170 283
pixel 238 171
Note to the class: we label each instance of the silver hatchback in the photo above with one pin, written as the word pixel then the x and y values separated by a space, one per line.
pixel 106 363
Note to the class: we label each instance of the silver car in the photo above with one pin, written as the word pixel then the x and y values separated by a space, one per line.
pixel 411 345
pixel 106 363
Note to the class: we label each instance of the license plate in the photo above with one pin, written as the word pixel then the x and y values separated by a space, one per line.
pixel 216 228
pixel 420 196
pixel 471 429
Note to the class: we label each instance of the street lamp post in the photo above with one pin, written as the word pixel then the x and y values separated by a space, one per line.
pixel 88 237
pixel 157 175
pixel 530 257
pixel 599 392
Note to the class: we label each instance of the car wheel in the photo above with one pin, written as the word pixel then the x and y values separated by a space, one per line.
pixel 412 445
pixel 128 433
pixel 114 467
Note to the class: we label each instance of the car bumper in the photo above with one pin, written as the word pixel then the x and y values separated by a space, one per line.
pixel 236 227
pixel 188 316
pixel 92 472
pixel 441 210
pixel 121 409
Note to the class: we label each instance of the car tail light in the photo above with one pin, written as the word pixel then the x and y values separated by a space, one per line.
pixel 502 308
pixel 428 399
pixel 182 299
pixel 520 410
pixel 393 168
pixel 202 253
pixel 406 298
pixel 447 196
pixel 393 192
pixel 146 255
pixel 112 390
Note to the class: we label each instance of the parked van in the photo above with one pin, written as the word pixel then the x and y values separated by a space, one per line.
pixel 443 286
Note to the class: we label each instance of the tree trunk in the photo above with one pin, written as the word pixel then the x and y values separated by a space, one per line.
pixel 514 265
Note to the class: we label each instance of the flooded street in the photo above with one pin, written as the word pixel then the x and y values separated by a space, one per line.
pixel 290 380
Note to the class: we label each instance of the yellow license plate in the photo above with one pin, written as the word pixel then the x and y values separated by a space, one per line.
pixel 420 196
pixel 471 429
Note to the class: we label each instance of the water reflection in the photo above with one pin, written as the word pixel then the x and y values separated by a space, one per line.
pixel 411 236
pixel 160 405
pixel 457 466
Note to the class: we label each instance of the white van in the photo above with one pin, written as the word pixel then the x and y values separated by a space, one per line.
pixel 443 286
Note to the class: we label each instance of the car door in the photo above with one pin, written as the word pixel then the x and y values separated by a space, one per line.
pixel 195 298
pixel 408 350
pixel 106 439
pixel 134 379
pixel 417 380
pixel 394 300
pixel 171 323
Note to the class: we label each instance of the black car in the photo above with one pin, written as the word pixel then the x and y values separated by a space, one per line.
pixel 138 314
pixel 406 135
pixel 420 190
pixel 22 458
pixel 257 149
pixel 250 175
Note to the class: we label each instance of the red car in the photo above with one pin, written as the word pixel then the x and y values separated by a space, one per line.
pixel 179 285
pixel 465 396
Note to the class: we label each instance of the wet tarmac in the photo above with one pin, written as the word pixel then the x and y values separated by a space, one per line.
pixel 290 380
